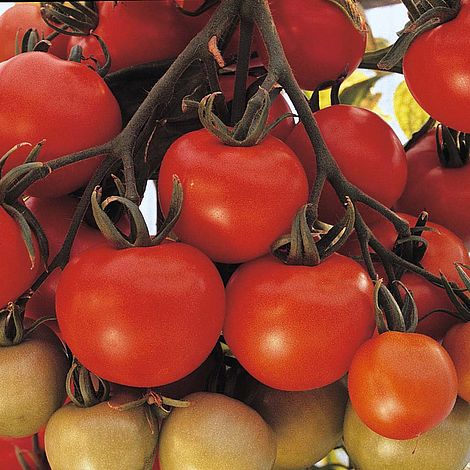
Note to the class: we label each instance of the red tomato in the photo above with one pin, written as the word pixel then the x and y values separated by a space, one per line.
pixel 66 103
pixel 439 81
pixel 279 107
pixel 140 32
pixel 320 41
pixel 457 344
pixel 16 270
pixel 443 192
pixel 8 457
pixel 444 248
pixel 368 153
pixel 19 18
pixel 237 200
pixel 141 316
pixel 298 327
pixel 402 384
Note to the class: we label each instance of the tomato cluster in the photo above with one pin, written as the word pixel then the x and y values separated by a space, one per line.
pixel 247 333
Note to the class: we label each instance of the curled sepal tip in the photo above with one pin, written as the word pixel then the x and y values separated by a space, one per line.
pixel 11 325
pixel 388 314
pixel 70 18
pixel 84 388
pixel 409 309
pixel 459 299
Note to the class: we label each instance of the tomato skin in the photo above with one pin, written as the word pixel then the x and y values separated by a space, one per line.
pixel 286 333
pixel 132 29
pixel 8 457
pixel 123 315
pixel 444 249
pixel 402 384
pixel 16 270
pixel 21 17
pixel 443 192
pixel 368 153
pixel 28 113
pixel 437 73
pixel 237 200
pixel 321 43
pixel 457 344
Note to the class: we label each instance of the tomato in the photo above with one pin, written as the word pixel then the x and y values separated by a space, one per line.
pixel 100 437
pixel 443 192
pixel 368 153
pixel 43 97
pixel 279 107
pixel 285 332
pixel 444 249
pixel 438 80
pixel 8 457
pixel 141 316
pixel 445 447
pixel 320 41
pixel 19 18
pixel 33 382
pixel 457 344
pixel 307 425
pixel 16 269
pixel 140 32
pixel 218 432
pixel 402 384
pixel 237 202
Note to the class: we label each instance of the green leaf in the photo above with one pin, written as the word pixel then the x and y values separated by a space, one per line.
pixel 410 115
pixel 355 94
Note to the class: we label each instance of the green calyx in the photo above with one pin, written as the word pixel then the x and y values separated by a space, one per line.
pixel 453 147
pixel 31 42
pixel 352 11
pixel 72 18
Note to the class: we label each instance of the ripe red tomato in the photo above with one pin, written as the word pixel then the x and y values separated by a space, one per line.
pixel 16 270
pixel 279 107
pixel 444 248
pixel 457 344
pixel 298 327
pixel 141 316
pixel 368 153
pixel 19 18
pixel 439 81
pixel 237 200
pixel 8 457
pixel 320 41
pixel 66 103
pixel 402 384
pixel 443 192
pixel 140 32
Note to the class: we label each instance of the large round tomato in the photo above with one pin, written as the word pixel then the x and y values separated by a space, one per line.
pixel 141 316
pixel 237 200
pixel 402 384
pixel 140 32
pixel 66 103
pixel 16 269
pixel 18 19
pixel 444 249
pixel 298 327
pixel 437 71
pixel 443 192
pixel 320 41
pixel 367 151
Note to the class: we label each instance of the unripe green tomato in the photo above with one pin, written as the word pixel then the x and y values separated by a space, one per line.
pixel 445 447
pixel 215 433
pixel 307 425
pixel 32 382
pixel 100 438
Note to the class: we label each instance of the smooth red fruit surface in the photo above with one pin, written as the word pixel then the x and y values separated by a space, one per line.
pixel 367 151
pixel 444 249
pixel 438 73
pixel 141 316
pixel 237 200
pixel 297 327
pixel 320 41
pixel 17 20
pixel 66 103
pixel 402 384
pixel 279 107
pixel 140 32
pixel 8 457
pixel 443 192
pixel 17 271
pixel 457 344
